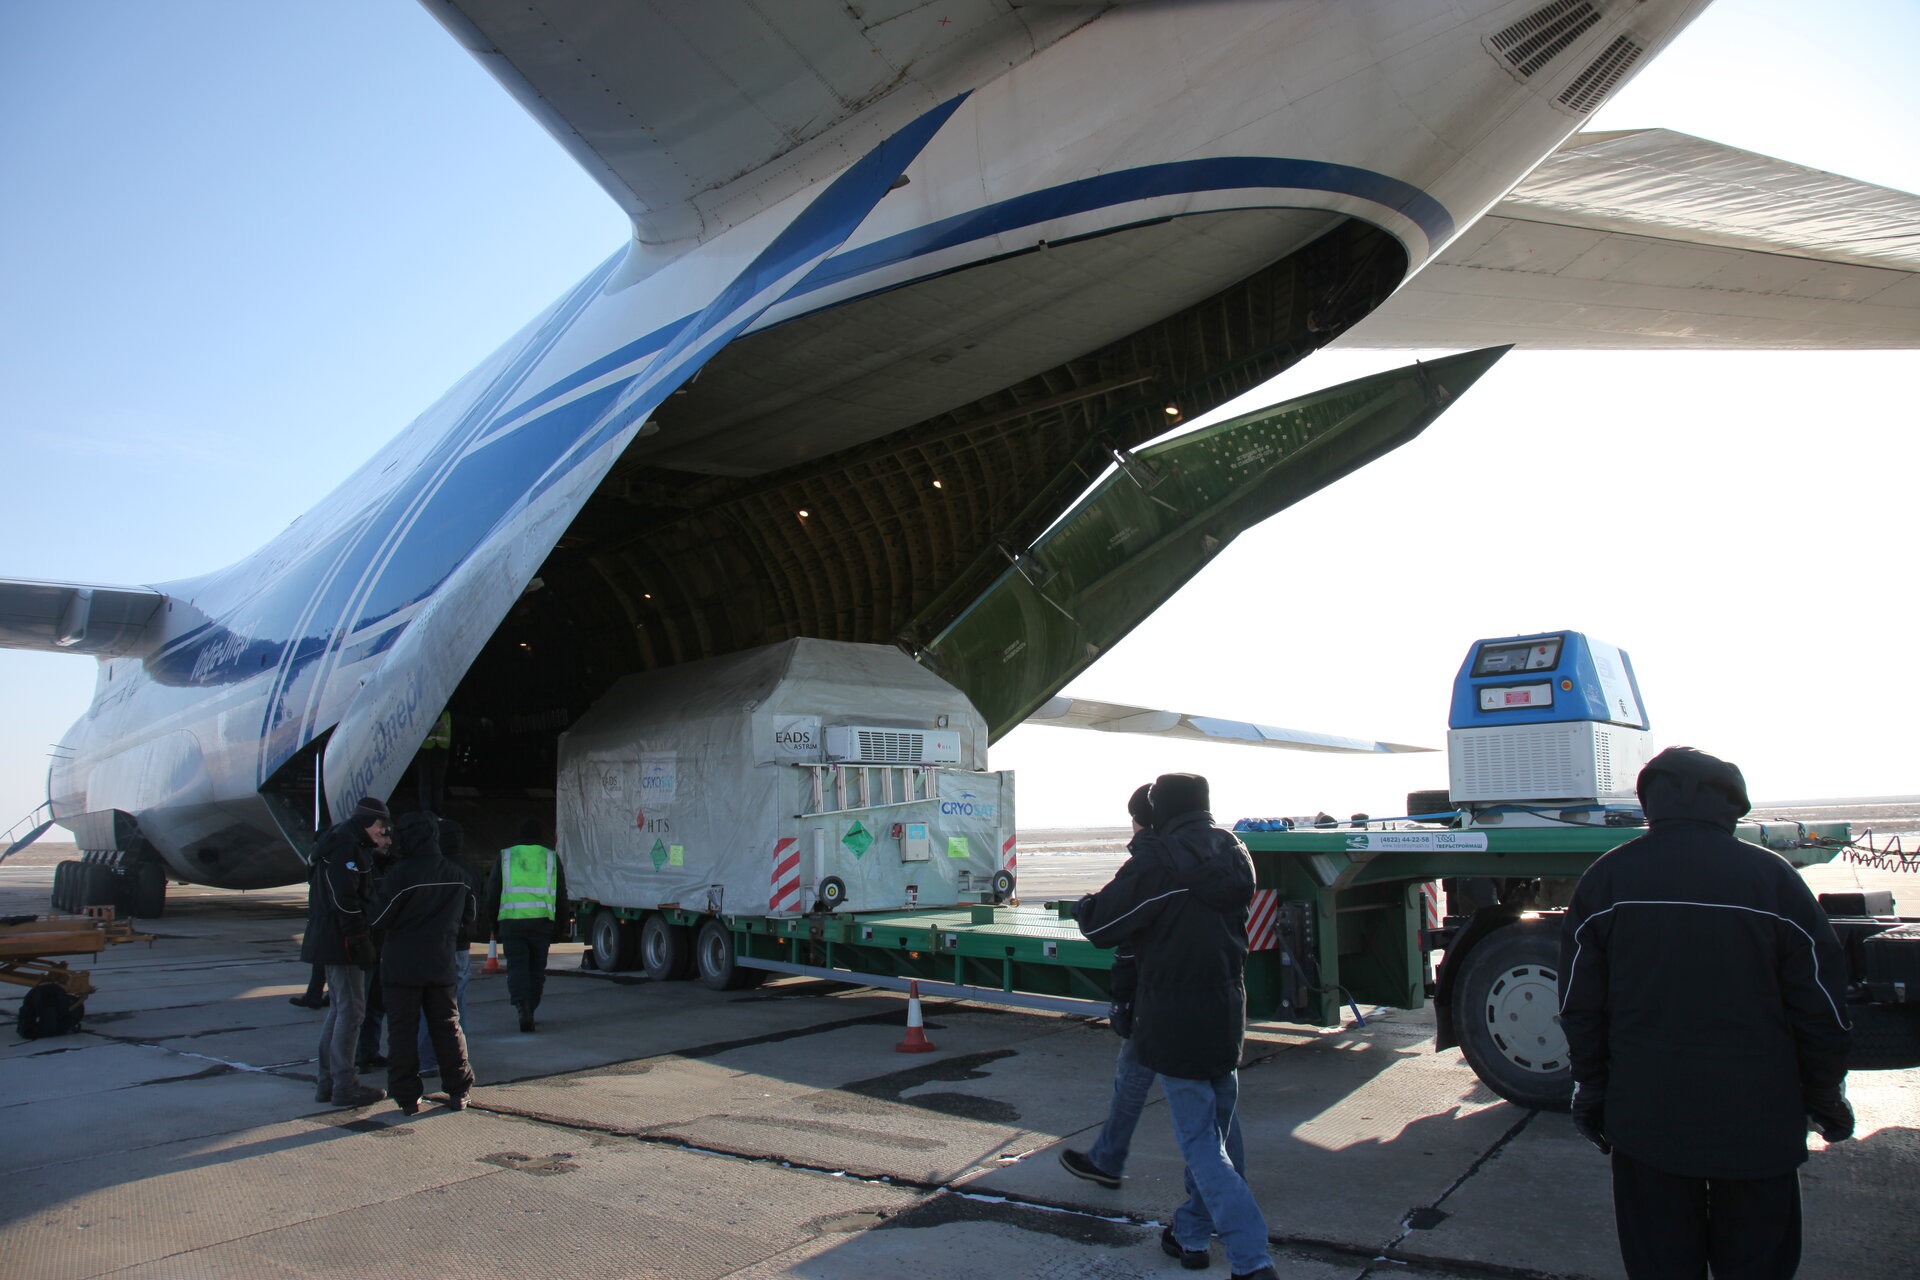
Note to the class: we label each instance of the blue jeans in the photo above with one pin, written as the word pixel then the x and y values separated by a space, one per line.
pixel 1130 1084
pixel 1206 1123
pixel 463 971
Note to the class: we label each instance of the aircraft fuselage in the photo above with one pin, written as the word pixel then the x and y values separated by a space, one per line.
pixel 1224 137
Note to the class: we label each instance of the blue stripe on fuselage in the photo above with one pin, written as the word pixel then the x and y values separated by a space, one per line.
pixel 1183 177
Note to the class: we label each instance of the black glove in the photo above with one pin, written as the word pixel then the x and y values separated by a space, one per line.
pixel 1831 1113
pixel 1590 1117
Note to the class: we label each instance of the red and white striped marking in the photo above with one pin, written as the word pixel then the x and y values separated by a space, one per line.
pixel 1430 912
pixel 1262 914
pixel 1010 858
pixel 786 876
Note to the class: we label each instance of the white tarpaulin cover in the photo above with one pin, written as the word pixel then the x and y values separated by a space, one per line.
pixel 706 786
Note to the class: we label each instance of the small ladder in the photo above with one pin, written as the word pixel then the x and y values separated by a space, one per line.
pixel 35 824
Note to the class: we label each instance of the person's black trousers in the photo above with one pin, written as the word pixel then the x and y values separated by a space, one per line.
pixel 1675 1228
pixel 369 1046
pixel 525 943
pixel 405 1005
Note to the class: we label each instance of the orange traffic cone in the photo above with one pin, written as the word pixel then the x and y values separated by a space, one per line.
pixel 493 964
pixel 916 1040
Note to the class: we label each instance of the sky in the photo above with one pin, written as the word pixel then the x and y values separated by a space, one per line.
pixel 245 244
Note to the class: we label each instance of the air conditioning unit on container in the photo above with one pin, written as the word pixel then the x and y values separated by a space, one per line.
pixel 863 744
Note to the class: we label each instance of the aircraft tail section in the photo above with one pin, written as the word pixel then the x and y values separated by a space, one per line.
pixel 74 617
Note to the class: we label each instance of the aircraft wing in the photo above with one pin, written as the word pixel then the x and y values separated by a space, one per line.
pixel 1115 717
pixel 1648 239
pixel 73 617
pixel 665 103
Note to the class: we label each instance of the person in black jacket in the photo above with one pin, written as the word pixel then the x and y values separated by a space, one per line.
pixel 1181 899
pixel 453 849
pixel 422 905
pixel 1703 998
pixel 338 887
pixel 1106 1160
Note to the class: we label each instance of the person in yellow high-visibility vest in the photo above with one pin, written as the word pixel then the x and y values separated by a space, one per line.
pixel 526 908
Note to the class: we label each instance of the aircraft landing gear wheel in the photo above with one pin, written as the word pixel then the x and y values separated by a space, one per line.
pixel 93 886
pixel 833 892
pixel 666 953
pixel 64 877
pixel 614 942
pixel 719 968
pixel 1002 885
pixel 146 885
pixel 1506 1015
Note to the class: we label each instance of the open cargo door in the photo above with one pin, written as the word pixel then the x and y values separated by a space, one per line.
pixel 1159 517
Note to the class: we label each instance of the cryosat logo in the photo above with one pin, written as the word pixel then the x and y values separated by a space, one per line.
pixel 968 806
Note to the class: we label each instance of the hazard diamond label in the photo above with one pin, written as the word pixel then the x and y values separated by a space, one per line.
pixel 659 854
pixel 858 839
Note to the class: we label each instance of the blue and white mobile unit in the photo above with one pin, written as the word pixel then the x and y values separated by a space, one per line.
pixel 1551 719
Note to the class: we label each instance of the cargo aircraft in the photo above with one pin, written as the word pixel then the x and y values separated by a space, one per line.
pixel 905 279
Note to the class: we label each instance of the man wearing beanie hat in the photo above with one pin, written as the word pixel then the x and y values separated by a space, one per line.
pixel 1104 1162
pixel 1181 902
pixel 1703 997
pixel 340 882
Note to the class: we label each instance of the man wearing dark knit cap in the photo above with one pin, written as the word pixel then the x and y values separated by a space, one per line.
pixel 340 882
pixel 1106 1160
pixel 1181 901
pixel 1703 997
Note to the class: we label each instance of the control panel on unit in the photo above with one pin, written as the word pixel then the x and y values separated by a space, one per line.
pixel 1545 718
pixel 1544 679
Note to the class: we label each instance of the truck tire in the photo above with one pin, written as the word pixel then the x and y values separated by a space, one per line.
pixel 1506 1016
pixel 1886 1037
pixel 1419 802
pixel 615 943
pixel 1002 885
pixel 146 890
pixel 713 952
pixel 833 892
pixel 666 950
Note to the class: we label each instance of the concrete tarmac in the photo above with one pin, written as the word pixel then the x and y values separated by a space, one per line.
pixel 667 1130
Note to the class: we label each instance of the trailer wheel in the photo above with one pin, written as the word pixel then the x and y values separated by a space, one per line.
pixel 666 953
pixel 833 892
pixel 1506 1016
pixel 614 942
pixel 1886 1037
pixel 713 952
pixel 1002 885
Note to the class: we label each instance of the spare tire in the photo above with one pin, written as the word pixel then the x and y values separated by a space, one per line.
pixel 1420 802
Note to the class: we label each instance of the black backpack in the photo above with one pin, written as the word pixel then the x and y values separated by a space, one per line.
pixel 47 1010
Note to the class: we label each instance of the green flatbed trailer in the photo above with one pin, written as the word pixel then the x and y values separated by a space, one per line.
pixel 1338 920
